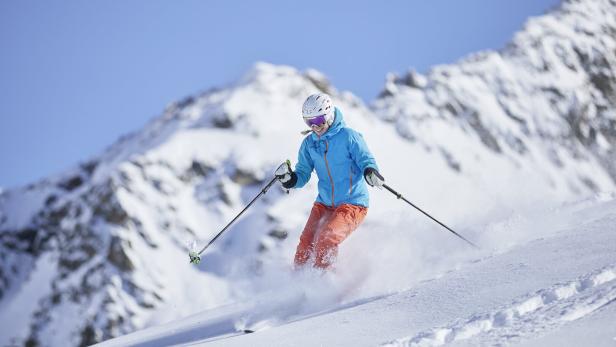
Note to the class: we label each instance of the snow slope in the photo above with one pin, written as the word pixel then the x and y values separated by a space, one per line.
pixel 557 287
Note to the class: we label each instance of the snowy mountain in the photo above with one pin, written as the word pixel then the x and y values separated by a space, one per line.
pixel 547 99
pixel 486 144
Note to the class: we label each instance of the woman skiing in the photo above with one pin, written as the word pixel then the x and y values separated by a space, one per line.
pixel 340 157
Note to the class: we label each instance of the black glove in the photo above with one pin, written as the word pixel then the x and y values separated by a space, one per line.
pixel 373 177
pixel 285 175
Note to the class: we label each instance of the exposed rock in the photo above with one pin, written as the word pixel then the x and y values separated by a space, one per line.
pixel 106 205
pixel 50 200
pixel 412 79
pixel 185 102
pixel 279 234
pixel 117 254
pixel 223 194
pixel 89 167
pixel 89 336
pixel 197 169
pixel 222 120
pixel 26 240
pixel 244 178
pixel 485 135
pixel 319 80
pixel 71 183
pixel 450 160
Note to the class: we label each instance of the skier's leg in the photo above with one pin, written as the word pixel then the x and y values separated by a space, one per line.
pixel 338 227
pixel 306 241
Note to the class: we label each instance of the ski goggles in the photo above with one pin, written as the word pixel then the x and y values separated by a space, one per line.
pixel 316 121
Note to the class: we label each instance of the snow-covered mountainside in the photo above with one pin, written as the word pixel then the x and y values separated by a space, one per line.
pixel 100 250
pixel 547 100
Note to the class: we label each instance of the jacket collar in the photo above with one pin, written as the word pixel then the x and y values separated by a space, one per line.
pixel 336 126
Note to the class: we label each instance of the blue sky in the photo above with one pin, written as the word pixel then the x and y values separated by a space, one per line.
pixel 76 75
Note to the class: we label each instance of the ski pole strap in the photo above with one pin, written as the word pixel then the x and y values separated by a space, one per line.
pixel 399 196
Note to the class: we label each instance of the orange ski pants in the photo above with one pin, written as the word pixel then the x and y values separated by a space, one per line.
pixel 325 229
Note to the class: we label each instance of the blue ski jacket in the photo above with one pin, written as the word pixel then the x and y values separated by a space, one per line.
pixel 339 157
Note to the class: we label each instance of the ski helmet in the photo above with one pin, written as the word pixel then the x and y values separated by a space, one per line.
pixel 318 105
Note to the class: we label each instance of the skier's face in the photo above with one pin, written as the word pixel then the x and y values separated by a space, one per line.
pixel 318 124
pixel 321 129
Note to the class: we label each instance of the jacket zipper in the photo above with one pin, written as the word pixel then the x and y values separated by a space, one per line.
pixel 328 172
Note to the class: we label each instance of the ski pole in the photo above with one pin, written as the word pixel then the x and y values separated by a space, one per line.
pixel 399 196
pixel 195 257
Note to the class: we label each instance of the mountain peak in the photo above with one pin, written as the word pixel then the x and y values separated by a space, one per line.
pixel 263 72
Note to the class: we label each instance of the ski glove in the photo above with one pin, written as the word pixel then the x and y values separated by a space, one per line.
pixel 286 176
pixel 373 177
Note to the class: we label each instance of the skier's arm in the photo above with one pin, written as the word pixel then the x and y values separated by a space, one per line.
pixel 304 166
pixel 360 153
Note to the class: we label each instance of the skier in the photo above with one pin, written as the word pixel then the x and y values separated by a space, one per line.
pixel 340 157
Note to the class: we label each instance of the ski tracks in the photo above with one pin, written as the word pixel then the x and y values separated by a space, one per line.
pixel 537 312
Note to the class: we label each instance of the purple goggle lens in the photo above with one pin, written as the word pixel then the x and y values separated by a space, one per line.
pixel 315 121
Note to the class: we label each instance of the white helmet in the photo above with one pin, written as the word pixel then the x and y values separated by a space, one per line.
pixel 318 105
